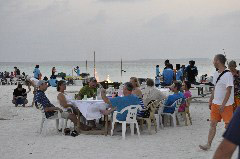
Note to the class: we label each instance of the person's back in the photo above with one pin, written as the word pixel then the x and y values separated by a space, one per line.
pixel 170 100
pixel 151 93
pixel 192 72
pixel 122 102
pixel 179 75
pixel 168 76
pixel 36 73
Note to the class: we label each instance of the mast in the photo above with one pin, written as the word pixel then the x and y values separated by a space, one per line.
pixel 94 64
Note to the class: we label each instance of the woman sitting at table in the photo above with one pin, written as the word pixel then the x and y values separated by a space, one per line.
pixel 65 102
pixel 136 90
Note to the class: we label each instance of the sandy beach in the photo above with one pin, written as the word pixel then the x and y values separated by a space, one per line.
pixel 20 138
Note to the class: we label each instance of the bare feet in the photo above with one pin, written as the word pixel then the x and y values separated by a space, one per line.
pixel 205 147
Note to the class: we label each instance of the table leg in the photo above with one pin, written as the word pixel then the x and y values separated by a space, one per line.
pixel 106 124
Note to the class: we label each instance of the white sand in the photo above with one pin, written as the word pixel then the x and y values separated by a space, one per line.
pixel 19 137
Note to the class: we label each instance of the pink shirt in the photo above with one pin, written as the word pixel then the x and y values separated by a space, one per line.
pixel 187 94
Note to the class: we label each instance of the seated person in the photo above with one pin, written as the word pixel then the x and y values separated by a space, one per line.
pixel 176 87
pixel 119 103
pixel 65 102
pixel 168 76
pixel 19 96
pixel 49 109
pixel 151 93
pixel 136 90
pixel 90 90
pixel 187 94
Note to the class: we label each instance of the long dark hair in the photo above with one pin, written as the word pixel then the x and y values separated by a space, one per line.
pixel 59 84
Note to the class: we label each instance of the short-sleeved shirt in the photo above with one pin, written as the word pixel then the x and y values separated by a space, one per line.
pixel 78 72
pixel 168 75
pixel 192 72
pixel 179 75
pixel 36 73
pixel 42 99
pixel 221 88
pixel 122 102
pixel 157 71
pixel 187 94
pixel 170 100
pixel 232 133
pixel 17 93
pixel 86 90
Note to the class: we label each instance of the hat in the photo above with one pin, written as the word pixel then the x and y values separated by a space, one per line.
pixel 40 82
pixel 92 79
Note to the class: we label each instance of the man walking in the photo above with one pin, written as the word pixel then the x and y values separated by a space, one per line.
pixel 222 98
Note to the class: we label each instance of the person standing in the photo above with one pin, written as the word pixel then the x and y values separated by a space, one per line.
pixel 179 73
pixel 168 76
pixel 37 73
pixel 191 72
pixel 77 70
pixel 231 139
pixel 236 75
pixel 157 71
pixel 222 98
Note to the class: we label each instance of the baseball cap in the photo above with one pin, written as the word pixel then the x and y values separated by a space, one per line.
pixel 92 79
pixel 40 82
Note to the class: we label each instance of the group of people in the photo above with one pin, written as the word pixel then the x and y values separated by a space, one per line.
pixel 181 73
pixel 224 101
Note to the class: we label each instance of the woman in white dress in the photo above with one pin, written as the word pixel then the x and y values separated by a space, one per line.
pixel 65 102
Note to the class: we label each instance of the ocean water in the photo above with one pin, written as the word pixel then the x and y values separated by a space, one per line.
pixel 140 68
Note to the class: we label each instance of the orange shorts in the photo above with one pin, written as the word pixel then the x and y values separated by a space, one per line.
pixel 226 115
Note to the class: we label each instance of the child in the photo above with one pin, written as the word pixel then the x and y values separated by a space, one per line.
pixel 187 94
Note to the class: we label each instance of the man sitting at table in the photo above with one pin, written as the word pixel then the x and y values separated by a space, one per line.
pixel 176 87
pixel 19 96
pixel 49 109
pixel 151 93
pixel 119 103
pixel 90 90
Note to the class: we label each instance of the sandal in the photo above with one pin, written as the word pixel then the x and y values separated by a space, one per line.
pixel 67 131
pixel 74 133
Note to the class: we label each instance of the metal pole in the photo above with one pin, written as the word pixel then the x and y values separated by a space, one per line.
pixel 86 67
pixel 94 64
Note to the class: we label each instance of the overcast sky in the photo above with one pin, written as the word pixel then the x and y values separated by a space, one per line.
pixel 48 30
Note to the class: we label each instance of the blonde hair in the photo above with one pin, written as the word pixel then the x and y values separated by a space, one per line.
pixel 136 81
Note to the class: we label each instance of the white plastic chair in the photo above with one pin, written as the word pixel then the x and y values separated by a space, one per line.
pixel 8 80
pixel 44 119
pixel 158 115
pixel 130 119
pixel 177 103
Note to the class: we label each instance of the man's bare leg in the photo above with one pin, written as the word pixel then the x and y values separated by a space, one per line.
pixel 211 135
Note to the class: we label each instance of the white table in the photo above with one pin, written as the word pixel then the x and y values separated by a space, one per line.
pixel 90 109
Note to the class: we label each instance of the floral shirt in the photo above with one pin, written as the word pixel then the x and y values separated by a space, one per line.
pixel 237 85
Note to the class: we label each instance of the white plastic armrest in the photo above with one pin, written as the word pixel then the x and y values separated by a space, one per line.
pixel 115 114
pixel 59 114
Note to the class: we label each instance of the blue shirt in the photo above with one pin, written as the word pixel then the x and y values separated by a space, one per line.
pixel 41 98
pixel 179 75
pixel 122 102
pixel 170 100
pixel 232 133
pixel 157 71
pixel 36 73
pixel 168 75
pixel 78 72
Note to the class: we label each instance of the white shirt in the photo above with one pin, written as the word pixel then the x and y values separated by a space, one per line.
pixel 221 88
pixel 151 93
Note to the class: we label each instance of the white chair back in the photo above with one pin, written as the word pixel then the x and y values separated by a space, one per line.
pixel 132 112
